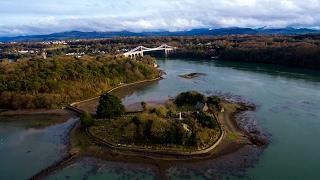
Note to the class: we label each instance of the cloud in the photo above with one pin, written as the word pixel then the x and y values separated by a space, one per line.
pixel 22 17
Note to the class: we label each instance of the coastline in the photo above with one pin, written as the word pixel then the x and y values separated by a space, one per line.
pixel 228 124
pixel 89 105
pixel 39 118
pixel 161 163
pixel 86 147
pixel 158 162
pixel 13 115
pixel 26 112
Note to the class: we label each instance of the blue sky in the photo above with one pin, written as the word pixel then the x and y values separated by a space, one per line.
pixel 24 17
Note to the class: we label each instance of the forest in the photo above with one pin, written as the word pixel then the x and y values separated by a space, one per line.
pixel 57 81
pixel 307 57
pixel 288 50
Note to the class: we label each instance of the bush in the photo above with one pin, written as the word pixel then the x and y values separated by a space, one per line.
pixel 159 130
pixel 215 102
pixel 144 106
pixel 189 98
pixel 136 120
pixel 206 120
pixel 110 106
pixel 160 111
pixel 86 119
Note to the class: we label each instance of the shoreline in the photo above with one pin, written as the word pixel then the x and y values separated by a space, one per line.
pixel 90 105
pixel 40 118
pixel 65 161
pixel 166 151
pixel 159 162
pixel 227 123
pixel 117 87
pixel 27 112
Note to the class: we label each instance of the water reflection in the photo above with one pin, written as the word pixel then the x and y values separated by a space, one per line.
pixel 25 151
pixel 288 102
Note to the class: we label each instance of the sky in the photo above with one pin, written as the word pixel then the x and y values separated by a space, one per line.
pixel 28 17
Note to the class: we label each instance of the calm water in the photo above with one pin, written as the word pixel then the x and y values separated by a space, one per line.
pixel 288 101
pixel 24 151
pixel 95 169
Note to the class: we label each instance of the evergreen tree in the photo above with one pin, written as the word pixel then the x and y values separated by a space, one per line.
pixel 110 106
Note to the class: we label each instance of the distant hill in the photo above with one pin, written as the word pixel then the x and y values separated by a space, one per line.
pixel 194 32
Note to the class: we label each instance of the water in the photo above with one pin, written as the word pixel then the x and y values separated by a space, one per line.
pixel 89 168
pixel 24 150
pixel 288 101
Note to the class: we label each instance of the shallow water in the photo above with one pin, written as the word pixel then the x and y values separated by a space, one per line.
pixel 24 150
pixel 288 101
pixel 90 168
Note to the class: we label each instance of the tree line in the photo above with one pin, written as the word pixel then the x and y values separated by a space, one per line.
pixel 56 81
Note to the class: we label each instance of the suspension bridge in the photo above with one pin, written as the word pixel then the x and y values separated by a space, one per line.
pixel 140 50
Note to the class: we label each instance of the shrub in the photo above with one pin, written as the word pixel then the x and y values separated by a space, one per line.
pixel 144 106
pixel 86 119
pixel 215 102
pixel 206 120
pixel 189 98
pixel 147 128
pixel 109 107
pixel 159 130
pixel 136 120
pixel 160 111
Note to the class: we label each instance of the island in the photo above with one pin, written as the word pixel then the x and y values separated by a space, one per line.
pixel 190 126
pixel 185 125
pixel 192 75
